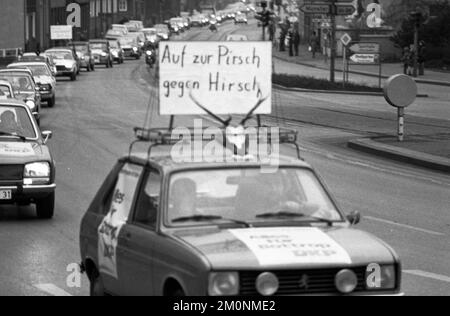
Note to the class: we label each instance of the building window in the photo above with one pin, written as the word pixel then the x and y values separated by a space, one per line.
pixel 123 5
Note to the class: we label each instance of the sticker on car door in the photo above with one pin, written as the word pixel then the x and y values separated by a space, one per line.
pixel 109 229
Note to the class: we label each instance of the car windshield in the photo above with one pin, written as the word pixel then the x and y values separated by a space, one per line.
pixel 127 41
pixel 81 48
pixel 113 44
pixel 101 46
pixel 37 70
pixel 204 197
pixel 4 91
pixel 60 55
pixel 15 121
pixel 19 82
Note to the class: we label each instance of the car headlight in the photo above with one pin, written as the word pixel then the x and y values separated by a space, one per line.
pixel 104 54
pixel 387 278
pixel 267 284
pixel 346 281
pixel 31 104
pixel 135 49
pixel 36 173
pixel 223 284
pixel 149 53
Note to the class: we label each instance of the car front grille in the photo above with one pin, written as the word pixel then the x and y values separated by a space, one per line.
pixel 11 172
pixel 60 68
pixel 300 282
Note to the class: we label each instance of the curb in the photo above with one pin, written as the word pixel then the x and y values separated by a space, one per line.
pixel 371 146
pixel 368 74
pixel 376 94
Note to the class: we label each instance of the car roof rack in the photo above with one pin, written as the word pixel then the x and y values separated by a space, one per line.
pixel 157 137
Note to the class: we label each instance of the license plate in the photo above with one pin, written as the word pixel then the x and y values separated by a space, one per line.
pixel 5 194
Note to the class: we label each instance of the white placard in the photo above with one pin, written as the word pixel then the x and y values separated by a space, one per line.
pixel 109 229
pixel 224 77
pixel 278 246
pixel 61 32
pixel 16 150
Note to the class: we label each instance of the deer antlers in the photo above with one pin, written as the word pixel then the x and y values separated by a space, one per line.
pixel 227 122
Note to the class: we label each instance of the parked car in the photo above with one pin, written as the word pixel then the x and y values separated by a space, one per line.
pixel 25 89
pixel 116 51
pixel 130 45
pixel 67 62
pixel 101 52
pixel 27 169
pixel 84 53
pixel 41 58
pixel 44 79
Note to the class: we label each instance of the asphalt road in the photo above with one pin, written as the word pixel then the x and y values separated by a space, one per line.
pixel 92 124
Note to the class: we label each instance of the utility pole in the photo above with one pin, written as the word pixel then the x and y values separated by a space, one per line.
pixel 333 42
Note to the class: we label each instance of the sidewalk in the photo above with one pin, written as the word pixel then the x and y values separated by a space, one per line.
pixel 388 70
pixel 431 152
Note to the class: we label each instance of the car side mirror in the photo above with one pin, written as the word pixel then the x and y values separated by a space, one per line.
pixel 354 218
pixel 47 135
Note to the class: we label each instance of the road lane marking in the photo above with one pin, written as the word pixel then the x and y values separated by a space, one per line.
pixel 428 275
pixel 52 290
pixel 375 219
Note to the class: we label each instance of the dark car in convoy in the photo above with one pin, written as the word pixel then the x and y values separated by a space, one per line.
pixel 84 54
pixel 66 61
pixel 27 169
pixel 101 52
pixel 116 51
pixel 163 226
pixel 25 88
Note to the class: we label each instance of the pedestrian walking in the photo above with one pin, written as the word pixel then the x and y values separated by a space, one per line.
pixel 421 58
pixel 314 44
pixel 290 41
pixel 282 40
pixel 405 59
pixel 297 40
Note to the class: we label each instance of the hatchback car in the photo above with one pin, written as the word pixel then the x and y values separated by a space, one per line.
pixel 130 46
pixel 163 226
pixel 66 61
pixel 25 88
pixel 27 169
pixel 116 51
pixel 44 80
pixel 101 52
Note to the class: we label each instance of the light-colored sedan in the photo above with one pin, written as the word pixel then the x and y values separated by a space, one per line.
pixel 44 79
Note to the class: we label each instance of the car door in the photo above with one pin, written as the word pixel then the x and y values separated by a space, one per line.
pixel 138 238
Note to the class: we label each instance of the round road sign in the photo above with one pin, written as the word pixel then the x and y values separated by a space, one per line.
pixel 400 91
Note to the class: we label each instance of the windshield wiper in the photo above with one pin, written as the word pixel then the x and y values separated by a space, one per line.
pixel 294 215
pixel 23 138
pixel 209 218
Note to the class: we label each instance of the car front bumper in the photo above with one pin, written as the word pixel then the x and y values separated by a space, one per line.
pixel 27 193
pixel 101 60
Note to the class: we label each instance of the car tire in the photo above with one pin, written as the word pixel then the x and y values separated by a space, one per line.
pixel 73 77
pixel 45 208
pixel 96 287
pixel 93 67
pixel 88 68
pixel 51 102
pixel 111 64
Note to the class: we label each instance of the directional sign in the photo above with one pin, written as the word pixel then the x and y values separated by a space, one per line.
pixel 316 8
pixel 365 48
pixel 345 10
pixel 367 59
pixel 346 39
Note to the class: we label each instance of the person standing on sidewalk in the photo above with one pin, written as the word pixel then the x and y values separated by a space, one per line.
pixel 290 41
pixel 297 40
pixel 405 59
pixel 421 58
pixel 282 40
pixel 314 44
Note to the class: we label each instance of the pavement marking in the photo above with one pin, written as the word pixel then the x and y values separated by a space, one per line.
pixel 375 219
pixel 428 275
pixel 52 290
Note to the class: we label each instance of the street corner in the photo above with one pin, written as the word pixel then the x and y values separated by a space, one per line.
pixel 430 151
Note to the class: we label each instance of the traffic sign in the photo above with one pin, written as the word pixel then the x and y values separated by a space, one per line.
pixel 400 91
pixel 367 59
pixel 365 48
pixel 346 39
pixel 345 10
pixel 319 8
